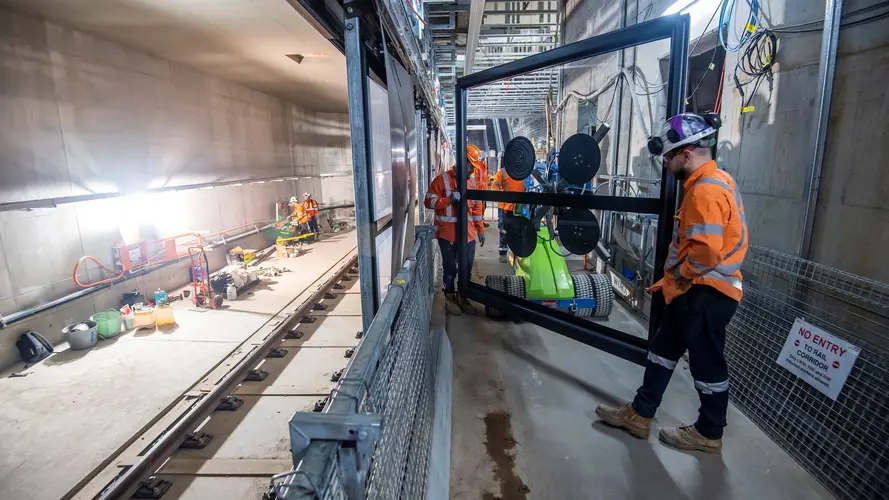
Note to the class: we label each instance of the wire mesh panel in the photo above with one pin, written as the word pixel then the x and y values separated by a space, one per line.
pixel 392 374
pixel 842 443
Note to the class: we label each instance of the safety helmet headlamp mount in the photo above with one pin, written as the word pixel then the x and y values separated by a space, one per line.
pixel 686 129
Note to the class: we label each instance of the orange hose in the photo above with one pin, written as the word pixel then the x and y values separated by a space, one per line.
pixel 97 283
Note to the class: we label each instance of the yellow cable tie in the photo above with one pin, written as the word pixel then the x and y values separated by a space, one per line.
pixel 712 66
pixel 751 28
pixel 748 109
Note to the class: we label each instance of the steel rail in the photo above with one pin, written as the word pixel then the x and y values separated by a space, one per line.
pixel 128 482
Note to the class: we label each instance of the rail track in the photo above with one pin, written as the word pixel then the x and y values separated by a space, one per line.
pixel 228 434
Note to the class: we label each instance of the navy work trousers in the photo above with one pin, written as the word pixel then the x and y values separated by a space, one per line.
pixel 694 322
pixel 449 263
pixel 313 224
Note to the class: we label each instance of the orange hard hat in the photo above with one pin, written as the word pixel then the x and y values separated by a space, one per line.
pixel 474 154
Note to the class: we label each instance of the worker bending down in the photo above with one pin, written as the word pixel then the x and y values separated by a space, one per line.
pixel 311 208
pixel 299 212
pixel 701 286
pixel 443 197
pixel 503 182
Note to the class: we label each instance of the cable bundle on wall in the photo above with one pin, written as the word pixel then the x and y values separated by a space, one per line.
pixel 755 63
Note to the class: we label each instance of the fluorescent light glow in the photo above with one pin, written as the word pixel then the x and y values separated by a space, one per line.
pixel 678 6
pixel 476 127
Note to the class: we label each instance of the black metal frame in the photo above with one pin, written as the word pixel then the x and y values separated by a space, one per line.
pixel 676 29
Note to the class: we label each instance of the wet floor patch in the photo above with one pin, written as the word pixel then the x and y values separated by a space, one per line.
pixel 500 445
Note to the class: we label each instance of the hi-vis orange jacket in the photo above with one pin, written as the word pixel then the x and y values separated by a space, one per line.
pixel 438 198
pixel 709 236
pixel 299 213
pixel 481 177
pixel 311 207
pixel 503 182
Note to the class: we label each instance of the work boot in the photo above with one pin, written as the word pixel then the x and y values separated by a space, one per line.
pixel 625 417
pixel 452 306
pixel 503 259
pixel 688 438
pixel 466 306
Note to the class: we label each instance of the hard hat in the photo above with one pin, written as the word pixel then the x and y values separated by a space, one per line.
pixel 683 130
pixel 474 155
pixel 306 194
pixel 293 199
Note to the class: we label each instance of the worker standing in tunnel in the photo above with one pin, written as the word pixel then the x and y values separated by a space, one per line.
pixel 701 286
pixel 311 208
pixel 443 197
pixel 503 182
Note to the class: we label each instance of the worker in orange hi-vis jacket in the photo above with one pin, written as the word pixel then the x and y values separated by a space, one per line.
pixel 503 182
pixel 701 286
pixel 443 197
pixel 311 208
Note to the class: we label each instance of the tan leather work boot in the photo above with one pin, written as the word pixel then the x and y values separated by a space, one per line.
pixel 625 417
pixel 466 306
pixel 452 305
pixel 688 438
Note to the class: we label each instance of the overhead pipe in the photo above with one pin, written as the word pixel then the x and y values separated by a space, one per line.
pixel 833 10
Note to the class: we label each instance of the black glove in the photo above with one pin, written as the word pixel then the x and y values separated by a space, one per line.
pixel 455 198
pixel 481 239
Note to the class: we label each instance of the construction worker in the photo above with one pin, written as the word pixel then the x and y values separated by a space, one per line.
pixel 480 172
pixel 299 212
pixel 443 196
pixel 311 208
pixel 701 286
pixel 503 182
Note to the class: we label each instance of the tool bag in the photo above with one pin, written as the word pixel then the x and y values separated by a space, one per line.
pixel 33 347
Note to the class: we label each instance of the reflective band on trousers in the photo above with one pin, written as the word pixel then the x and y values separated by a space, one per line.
pixel 444 218
pixel 711 387
pixel 659 360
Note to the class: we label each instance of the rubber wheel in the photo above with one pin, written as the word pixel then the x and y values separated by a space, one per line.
pixel 583 289
pixel 604 294
pixel 495 283
pixel 515 286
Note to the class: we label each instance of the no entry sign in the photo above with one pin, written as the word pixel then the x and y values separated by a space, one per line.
pixel 817 357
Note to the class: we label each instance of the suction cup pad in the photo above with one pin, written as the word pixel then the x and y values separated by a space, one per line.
pixel 521 237
pixel 579 159
pixel 578 230
pixel 519 157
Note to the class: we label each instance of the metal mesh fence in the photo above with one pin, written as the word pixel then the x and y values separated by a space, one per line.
pixel 392 374
pixel 842 443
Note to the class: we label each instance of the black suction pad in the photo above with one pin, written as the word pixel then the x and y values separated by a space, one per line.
pixel 578 230
pixel 519 158
pixel 521 237
pixel 579 159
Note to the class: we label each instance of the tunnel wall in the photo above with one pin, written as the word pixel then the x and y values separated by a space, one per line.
pixel 84 115
pixel 769 150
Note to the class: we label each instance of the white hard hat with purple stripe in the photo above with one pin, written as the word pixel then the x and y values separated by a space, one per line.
pixel 683 130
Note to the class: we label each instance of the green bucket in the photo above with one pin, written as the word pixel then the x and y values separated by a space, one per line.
pixel 109 323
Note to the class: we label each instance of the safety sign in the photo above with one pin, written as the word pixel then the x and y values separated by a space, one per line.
pixel 819 358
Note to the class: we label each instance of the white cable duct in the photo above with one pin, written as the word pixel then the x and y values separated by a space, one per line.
pixel 476 14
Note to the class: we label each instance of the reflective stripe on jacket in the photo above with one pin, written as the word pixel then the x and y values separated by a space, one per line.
pixel 503 182
pixel 709 236
pixel 311 207
pixel 438 198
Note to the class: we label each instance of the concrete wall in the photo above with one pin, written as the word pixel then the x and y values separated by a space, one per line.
pixel 769 151
pixel 84 115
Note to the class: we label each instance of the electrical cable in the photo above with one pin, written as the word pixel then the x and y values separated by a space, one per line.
pixel 718 106
pixel 726 15
pixel 755 63
pixel 419 17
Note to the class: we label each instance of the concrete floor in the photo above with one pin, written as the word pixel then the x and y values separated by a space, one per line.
pixel 75 409
pixel 524 425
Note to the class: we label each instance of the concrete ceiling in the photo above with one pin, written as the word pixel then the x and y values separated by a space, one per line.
pixel 243 41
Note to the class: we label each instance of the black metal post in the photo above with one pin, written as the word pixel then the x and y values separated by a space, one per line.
pixel 462 212
pixel 362 168
pixel 675 105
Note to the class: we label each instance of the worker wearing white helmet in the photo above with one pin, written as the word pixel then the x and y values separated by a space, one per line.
pixel 311 208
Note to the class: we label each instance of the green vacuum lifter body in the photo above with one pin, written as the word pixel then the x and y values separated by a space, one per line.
pixel 545 271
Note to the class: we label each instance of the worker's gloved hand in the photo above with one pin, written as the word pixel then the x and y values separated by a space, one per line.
pixel 481 240
pixel 455 198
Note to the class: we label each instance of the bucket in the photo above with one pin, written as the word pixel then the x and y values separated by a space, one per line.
pixel 164 316
pixel 109 323
pixel 129 322
pixel 144 318
pixel 81 339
